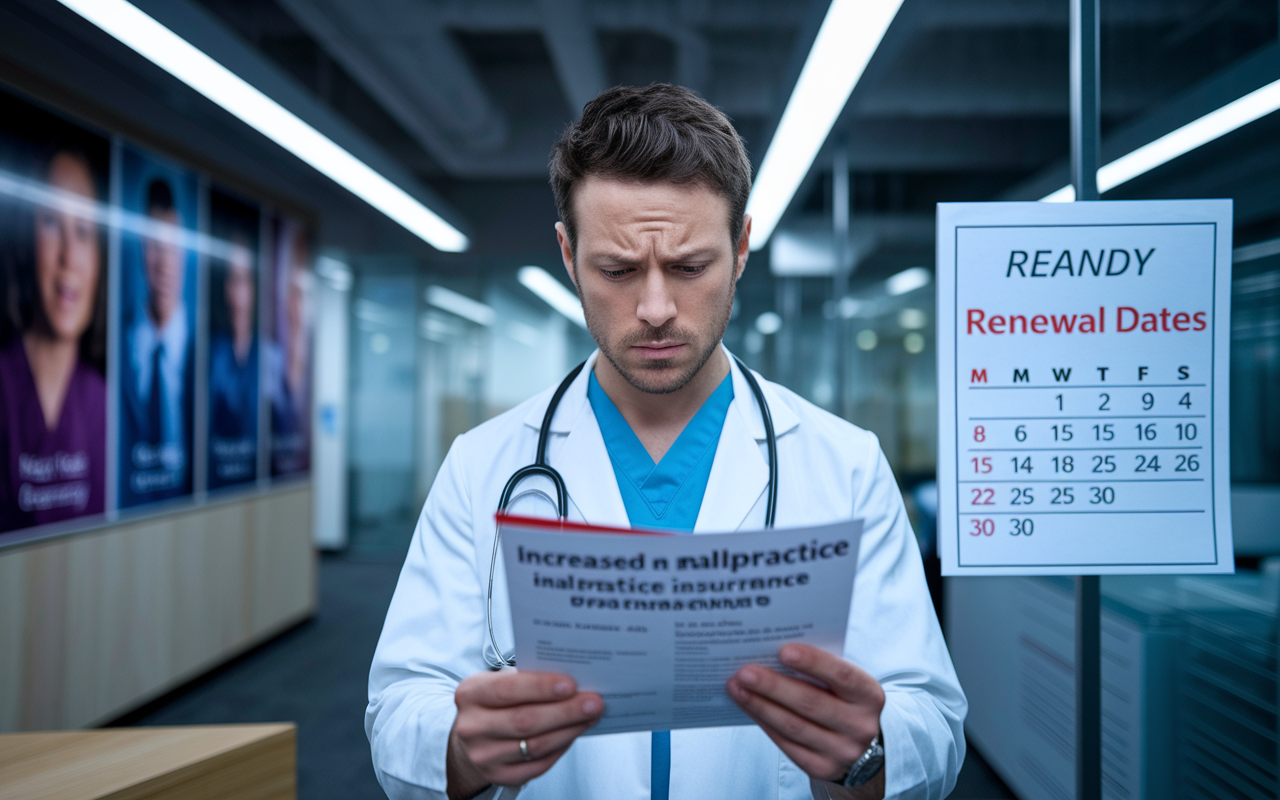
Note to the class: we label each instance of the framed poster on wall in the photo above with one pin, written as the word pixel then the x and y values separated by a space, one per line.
pixel 233 341
pixel 54 183
pixel 158 262
pixel 289 321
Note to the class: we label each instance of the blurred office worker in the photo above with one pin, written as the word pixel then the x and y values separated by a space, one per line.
pixel 661 429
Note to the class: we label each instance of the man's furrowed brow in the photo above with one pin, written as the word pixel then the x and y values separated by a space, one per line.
pixel 615 259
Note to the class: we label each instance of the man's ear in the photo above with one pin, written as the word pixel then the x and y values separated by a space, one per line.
pixel 744 247
pixel 566 253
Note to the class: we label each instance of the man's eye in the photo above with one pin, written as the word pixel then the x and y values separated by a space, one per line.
pixel 690 269
pixel 617 273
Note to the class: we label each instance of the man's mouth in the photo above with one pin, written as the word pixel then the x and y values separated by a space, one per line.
pixel 659 350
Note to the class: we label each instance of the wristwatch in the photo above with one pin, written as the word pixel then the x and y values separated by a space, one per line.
pixel 866 767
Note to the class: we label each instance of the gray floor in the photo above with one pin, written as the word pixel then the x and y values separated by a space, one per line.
pixel 315 675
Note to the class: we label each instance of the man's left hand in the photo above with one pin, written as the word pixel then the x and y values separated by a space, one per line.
pixel 824 731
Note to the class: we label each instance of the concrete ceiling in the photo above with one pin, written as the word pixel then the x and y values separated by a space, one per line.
pixel 964 100
pixel 483 87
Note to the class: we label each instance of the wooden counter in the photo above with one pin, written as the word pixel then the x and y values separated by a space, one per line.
pixel 254 762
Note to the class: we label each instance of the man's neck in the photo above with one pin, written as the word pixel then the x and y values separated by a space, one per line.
pixel 658 419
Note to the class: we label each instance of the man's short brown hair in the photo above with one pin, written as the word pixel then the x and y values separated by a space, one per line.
pixel 658 133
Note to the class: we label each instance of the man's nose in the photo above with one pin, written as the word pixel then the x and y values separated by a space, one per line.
pixel 657 306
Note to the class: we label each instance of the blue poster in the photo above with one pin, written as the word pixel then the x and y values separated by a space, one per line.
pixel 289 348
pixel 158 315
pixel 233 341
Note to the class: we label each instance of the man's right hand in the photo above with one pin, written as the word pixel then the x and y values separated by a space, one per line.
pixel 498 710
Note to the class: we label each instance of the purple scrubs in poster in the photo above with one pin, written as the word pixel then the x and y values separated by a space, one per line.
pixel 289 354
pixel 233 341
pixel 157 342
pixel 53 268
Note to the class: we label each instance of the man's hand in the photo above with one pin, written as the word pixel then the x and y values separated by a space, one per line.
pixel 822 730
pixel 498 710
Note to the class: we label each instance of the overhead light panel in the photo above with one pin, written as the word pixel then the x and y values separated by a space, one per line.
pixel 908 281
pixel 193 67
pixel 552 292
pixel 460 305
pixel 1236 114
pixel 770 322
pixel 849 35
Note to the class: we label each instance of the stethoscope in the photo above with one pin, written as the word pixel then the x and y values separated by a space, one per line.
pixel 540 466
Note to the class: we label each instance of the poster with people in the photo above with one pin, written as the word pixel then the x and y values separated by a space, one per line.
pixel 289 356
pixel 53 329
pixel 233 340
pixel 158 262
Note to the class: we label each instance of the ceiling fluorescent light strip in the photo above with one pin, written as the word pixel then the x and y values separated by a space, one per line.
pixel 849 36
pixel 1236 114
pixel 460 305
pixel 193 67
pixel 553 293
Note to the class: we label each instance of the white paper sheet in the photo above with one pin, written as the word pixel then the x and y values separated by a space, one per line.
pixel 656 624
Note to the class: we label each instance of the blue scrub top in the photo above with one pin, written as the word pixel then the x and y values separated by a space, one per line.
pixel 666 495
pixel 663 495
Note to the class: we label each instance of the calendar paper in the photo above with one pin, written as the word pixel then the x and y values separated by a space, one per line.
pixel 1082 387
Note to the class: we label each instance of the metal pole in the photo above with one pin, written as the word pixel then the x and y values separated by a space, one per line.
pixel 1088 688
pixel 1084 177
pixel 840 273
pixel 1084 98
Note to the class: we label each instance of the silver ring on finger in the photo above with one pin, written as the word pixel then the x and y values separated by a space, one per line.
pixel 524 751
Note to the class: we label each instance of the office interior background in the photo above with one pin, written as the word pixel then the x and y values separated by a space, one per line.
pixel 261 599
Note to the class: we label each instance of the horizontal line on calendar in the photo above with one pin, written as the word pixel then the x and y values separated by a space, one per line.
pixel 1103 449
pixel 1100 416
pixel 1064 513
pixel 1088 480
pixel 1099 386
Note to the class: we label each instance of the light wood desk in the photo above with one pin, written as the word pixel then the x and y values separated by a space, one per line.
pixel 253 762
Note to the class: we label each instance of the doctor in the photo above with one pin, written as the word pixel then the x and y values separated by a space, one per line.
pixel 661 429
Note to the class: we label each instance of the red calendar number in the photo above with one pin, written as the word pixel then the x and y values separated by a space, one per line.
pixel 982 527
pixel 984 497
pixel 981 465
pixel 979 434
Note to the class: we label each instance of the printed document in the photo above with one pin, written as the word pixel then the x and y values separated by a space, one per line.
pixel 657 623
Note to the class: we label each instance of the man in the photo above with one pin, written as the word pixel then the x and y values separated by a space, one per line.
pixel 157 386
pixel 661 429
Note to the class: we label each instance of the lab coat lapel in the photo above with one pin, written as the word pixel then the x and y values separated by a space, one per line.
pixel 738 479
pixel 735 493
pixel 740 473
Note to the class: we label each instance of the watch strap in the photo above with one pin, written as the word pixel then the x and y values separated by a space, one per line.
pixel 867 766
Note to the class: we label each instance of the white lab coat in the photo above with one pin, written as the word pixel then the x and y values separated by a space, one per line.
pixel 828 470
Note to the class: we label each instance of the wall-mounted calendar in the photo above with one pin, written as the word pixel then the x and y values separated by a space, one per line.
pixel 1082 387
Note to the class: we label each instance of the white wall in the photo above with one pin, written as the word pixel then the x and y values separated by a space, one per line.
pixel 329 435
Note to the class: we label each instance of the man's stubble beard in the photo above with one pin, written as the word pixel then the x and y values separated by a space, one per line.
pixel 635 378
